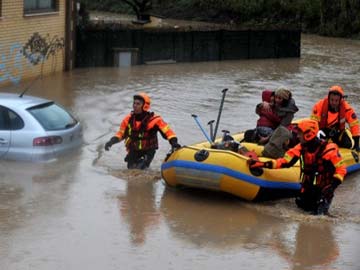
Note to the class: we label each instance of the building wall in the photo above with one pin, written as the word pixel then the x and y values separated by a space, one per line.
pixel 30 45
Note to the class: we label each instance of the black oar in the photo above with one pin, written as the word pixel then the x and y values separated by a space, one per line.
pixel 219 114
pixel 210 123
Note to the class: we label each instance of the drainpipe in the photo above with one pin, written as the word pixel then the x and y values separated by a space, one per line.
pixel 70 33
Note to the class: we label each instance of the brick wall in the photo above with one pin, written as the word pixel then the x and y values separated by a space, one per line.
pixel 23 53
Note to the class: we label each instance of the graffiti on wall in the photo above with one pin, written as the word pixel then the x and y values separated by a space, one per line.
pixel 37 50
pixel 12 72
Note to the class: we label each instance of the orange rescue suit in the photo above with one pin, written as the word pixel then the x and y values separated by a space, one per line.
pixel 327 119
pixel 141 135
pixel 319 167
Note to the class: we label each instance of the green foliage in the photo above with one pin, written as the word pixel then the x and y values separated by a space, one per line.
pixel 340 17
pixel 329 17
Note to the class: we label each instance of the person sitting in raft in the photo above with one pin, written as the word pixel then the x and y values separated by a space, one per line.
pixel 285 106
pixel 333 113
pixel 268 120
pixel 276 109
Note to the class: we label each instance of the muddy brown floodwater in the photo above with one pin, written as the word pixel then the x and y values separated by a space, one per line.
pixel 86 211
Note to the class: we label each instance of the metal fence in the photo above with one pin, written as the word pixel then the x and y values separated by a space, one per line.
pixel 97 47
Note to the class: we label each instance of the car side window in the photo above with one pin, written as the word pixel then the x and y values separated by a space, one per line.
pixel 15 121
pixel 3 122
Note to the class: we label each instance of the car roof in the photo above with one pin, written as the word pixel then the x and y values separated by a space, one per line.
pixel 24 102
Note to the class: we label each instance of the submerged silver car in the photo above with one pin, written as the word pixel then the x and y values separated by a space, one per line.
pixel 36 129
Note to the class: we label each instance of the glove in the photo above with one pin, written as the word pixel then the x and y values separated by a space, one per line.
pixel 112 141
pixel 259 164
pixel 174 143
pixel 356 143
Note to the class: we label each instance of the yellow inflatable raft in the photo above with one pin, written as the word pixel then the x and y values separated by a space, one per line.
pixel 200 166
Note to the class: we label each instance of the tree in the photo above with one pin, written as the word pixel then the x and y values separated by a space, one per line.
pixel 140 7
pixel 339 17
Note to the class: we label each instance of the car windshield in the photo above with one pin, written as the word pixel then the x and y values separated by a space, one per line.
pixel 52 116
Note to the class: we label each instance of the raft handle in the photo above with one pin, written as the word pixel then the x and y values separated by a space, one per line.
pixel 201 155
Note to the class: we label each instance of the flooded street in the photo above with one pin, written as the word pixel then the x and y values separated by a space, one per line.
pixel 87 211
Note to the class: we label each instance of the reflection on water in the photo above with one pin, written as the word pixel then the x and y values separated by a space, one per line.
pixel 138 205
pixel 30 196
pixel 24 185
pixel 215 220
pixel 309 246
pixel 88 211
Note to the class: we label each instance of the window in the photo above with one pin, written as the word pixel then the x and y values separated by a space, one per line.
pixel 40 6
pixel 3 120
pixel 16 122
pixel 9 120
pixel 52 116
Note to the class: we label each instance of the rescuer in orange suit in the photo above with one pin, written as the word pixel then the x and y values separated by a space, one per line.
pixel 332 113
pixel 139 130
pixel 322 168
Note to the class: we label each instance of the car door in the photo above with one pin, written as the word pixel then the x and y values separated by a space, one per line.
pixel 5 134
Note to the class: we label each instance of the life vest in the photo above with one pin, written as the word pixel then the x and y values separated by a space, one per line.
pixel 141 135
pixel 315 170
pixel 324 115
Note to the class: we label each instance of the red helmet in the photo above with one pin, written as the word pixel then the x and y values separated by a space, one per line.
pixel 309 128
pixel 336 89
pixel 146 99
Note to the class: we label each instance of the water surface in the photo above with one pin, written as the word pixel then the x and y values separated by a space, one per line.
pixel 86 211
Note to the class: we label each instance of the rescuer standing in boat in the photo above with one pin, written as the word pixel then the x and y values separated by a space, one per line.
pixel 332 113
pixel 322 168
pixel 139 130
